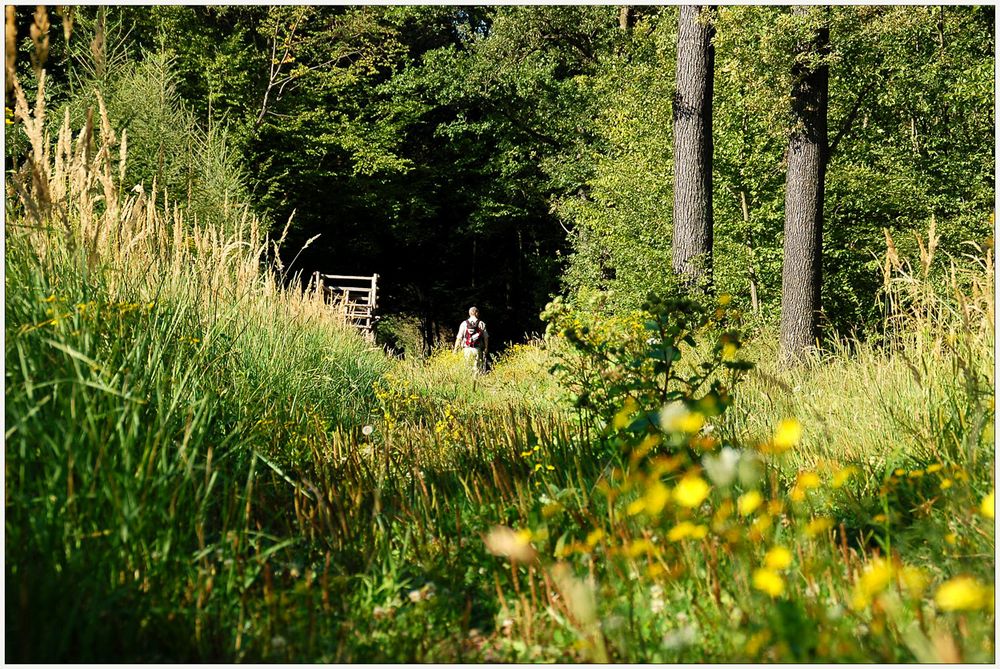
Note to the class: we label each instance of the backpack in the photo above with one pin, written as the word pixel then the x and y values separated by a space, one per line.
pixel 473 337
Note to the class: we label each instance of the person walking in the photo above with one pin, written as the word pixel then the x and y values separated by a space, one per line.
pixel 474 340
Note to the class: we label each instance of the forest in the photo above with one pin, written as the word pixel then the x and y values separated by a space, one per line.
pixel 736 263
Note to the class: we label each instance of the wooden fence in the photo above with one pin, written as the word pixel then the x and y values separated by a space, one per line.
pixel 358 294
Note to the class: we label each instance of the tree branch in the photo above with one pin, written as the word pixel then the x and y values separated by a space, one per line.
pixel 275 68
pixel 851 117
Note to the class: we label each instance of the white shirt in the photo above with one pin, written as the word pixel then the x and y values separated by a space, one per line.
pixel 465 326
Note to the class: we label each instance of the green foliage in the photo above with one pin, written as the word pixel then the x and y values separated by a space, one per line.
pixel 897 94
pixel 201 465
pixel 620 215
pixel 169 148
pixel 634 368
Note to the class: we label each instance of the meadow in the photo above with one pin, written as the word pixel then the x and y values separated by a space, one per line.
pixel 203 463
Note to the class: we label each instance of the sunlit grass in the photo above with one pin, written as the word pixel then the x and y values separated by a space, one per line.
pixel 205 465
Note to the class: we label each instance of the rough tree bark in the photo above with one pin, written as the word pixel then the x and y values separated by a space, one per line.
pixel 692 240
pixel 801 275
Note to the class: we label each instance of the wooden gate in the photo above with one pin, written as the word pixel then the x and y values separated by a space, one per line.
pixel 359 295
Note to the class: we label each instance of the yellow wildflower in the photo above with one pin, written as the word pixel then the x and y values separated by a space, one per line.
pixel 640 547
pixel 841 477
pixel 723 512
pixel 648 443
pixel 757 641
pixel 963 593
pixel 656 498
pixel 675 417
pixel 986 506
pixel 594 537
pixel 680 531
pixel 936 467
pixel 873 581
pixel 748 502
pixel 808 480
pixel 623 418
pixel 664 464
pixel 636 507
pixel 768 582
pixel 778 558
pixel 946 483
pixel 725 299
pixel 761 525
pixel 914 579
pixel 691 423
pixel 691 491
pixel 787 435
pixel 818 526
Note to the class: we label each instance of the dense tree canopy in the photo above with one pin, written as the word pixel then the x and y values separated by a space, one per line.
pixel 499 155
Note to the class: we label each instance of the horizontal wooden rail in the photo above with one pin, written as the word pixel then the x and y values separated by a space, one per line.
pixel 345 276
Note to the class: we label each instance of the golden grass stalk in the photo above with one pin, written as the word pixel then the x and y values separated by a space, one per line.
pixel 72 202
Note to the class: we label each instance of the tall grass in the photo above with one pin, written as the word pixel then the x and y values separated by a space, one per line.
pixel 187 474
pixel 923 393
pixel 203 464
pixel 151 364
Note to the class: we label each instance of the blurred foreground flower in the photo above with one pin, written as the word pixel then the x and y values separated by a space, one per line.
pixel 986 507
pixel 874 580
pixel 687 529
pixel 748 502
pixel 778 558
pixel 721 468
pixel 675 417
pixel 516 546
pixel 963 593
pixel 768 581
pixel 841 477
pixel 691 491
pixel 787 435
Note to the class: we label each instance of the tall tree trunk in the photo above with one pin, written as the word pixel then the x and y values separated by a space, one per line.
pixel 692 240
pixel 626 17
pixel 801 275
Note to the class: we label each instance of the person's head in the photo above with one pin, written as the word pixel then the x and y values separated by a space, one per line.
pixel 473 312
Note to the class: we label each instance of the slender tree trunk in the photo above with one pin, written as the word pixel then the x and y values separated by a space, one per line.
pixel 626 17
pixel 692 240
pixel 801 276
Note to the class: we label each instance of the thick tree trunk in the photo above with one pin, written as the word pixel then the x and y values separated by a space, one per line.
pixel 692 240
pixel 804 185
